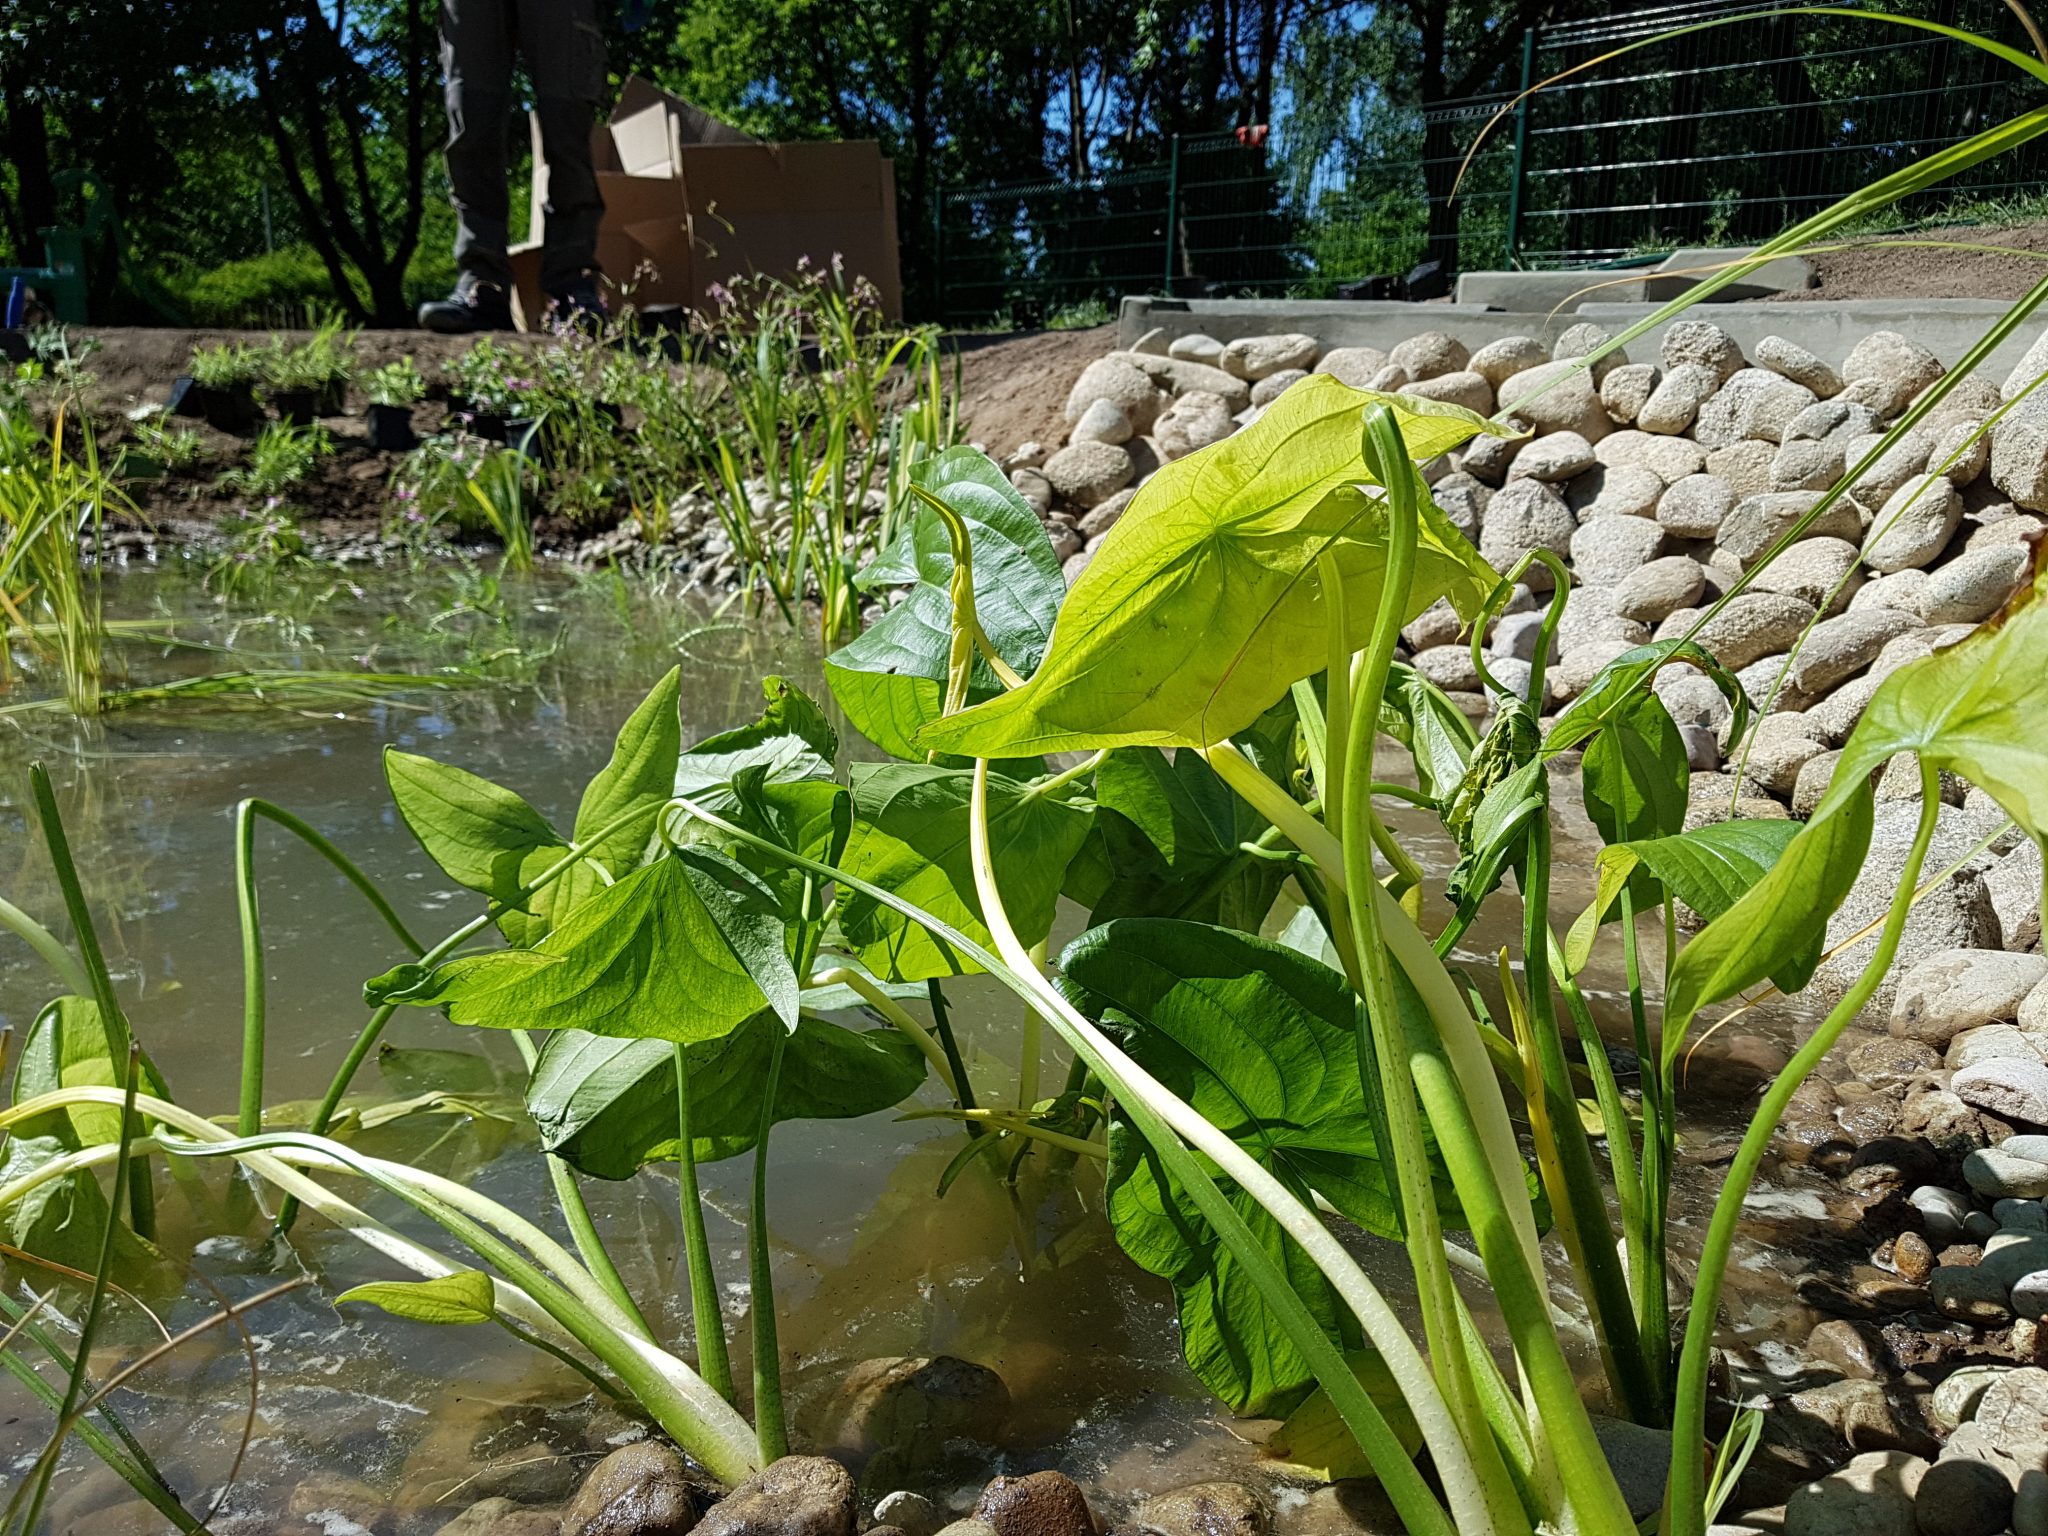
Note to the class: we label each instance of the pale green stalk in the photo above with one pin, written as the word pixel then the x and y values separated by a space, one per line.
pixel 769 1424
pixel 576 1214
pixel 893 1011
pixel 47 947
pixel 574 1303
pixel 38 1488
pixel 707 1318
pixel 1383 1043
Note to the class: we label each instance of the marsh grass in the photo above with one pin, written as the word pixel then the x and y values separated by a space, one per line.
pixel 51 597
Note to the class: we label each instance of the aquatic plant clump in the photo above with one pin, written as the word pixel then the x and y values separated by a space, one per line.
pixel 1187 746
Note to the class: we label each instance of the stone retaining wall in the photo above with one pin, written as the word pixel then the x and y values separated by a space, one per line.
pixel 1659 478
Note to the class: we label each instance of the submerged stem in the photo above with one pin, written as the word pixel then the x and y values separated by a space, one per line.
pixel 708 1319
pixel 769 1426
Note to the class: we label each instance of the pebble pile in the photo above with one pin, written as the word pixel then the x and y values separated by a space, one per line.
pixel 1658 483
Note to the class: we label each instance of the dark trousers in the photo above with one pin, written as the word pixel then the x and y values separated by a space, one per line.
pixel 564 53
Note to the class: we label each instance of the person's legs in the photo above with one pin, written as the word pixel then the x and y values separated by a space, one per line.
pixel 564 53
pixel 476 64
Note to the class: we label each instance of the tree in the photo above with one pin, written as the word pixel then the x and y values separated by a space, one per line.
pixel 345 98
pixel 1374 84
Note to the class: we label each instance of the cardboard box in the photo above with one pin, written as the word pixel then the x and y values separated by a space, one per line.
pixel 691 202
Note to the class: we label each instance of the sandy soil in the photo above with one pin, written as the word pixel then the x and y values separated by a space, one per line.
pixel 1923 265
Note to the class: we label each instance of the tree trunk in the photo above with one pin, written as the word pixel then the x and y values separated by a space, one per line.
pixel 28 150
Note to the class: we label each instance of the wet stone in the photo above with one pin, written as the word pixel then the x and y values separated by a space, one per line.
pixel 796 1496
pixel 482 1517
pixel 1205 1509
pixel 1974 1296
pixel 532 1474
pixel 642 1490
pixel 1353 1507
pixel 1942 1212
pixel 916 1403
pixel 330 1497
pixel 1885 1060
pixel 1851 1348
pixel 1042 1504
pixel 1912 1257
pixel 911 1513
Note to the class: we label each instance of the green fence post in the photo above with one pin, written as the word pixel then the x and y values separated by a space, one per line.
pixel 1514 242
pixel 1172 211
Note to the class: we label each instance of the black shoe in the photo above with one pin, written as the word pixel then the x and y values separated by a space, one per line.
pixel 578 304
pixel 475 305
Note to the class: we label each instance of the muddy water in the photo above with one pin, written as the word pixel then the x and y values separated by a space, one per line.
pixel 868 1264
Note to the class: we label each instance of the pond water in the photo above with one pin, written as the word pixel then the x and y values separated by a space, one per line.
pixel 1027 1281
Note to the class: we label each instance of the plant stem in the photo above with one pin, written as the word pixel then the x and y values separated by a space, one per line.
pixel 1382 1047
pixel 249 1116
pixel 1685 1505
pixel 576 1214
pixel 768 1419
pixel 88 1327
pixel 893 1011
pixel 706 1316
pixel 366 1040
pixel 120 1037
pixel 963 1089
pixel 1577 1197
pixel 1030 1044
pixel 1162 1118
pixel 47 946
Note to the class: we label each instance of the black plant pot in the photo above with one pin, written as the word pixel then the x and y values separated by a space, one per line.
pixel 331 398
pixel 14 346
pixel 488 425
pixel 391 428
pixel 225 410
pixel 528 434
pixel 296 407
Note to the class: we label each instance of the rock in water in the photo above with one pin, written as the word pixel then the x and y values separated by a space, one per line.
pixel 638 1490
pixel 1042 1504
pixel 1205 1509
pixel 796 1496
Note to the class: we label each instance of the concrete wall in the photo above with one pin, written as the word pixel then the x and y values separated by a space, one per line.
pixel 1827 328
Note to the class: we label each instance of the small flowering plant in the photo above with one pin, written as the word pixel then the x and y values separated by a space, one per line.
pixel 489 378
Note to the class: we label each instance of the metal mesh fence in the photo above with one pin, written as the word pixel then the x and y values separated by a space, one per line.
pixel 1723 136
pixel 1729 134
pixel 1217 217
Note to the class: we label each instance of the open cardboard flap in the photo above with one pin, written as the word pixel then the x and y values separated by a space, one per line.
pixel 691 201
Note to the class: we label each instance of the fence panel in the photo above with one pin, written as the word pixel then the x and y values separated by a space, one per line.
pixel 1723 136
pixel 1729 134
pixel 1219 217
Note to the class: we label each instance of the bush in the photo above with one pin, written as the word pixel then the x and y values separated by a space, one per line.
pixel 283 286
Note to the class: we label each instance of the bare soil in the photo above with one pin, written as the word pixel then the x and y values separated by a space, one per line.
pixel 1924 265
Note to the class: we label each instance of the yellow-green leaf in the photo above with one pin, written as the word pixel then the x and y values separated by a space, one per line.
pixel 1202 606
pixel 463 1297
pixel 1314 1443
